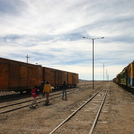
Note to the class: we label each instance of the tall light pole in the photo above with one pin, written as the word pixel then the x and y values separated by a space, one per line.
pixel 106 74
pixel 93 56
pixel 103 70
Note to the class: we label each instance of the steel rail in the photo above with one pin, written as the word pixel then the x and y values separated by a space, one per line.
pixel 27 100
pixel 8 95
pixel 98 113
pixel 30 104
pixel 69 117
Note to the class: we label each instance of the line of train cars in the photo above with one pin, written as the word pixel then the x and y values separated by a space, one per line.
pixel 126 77
pixel 19 76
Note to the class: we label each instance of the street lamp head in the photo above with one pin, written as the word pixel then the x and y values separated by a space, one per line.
pixel 94 38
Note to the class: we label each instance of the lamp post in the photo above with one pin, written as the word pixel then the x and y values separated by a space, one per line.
pixel 103 69
pixel 93 56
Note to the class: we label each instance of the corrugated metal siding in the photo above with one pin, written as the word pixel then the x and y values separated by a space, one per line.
pixel 23 76
pixel 47 74
pixel 14 75
pixel 39 74
pixel 58 78
pixel 130 75
pixel 64 76
pixel 52 77
pixel 4 76
pixel 69 78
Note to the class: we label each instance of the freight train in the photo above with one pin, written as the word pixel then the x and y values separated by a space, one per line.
pixel 126 77
pixel 19 76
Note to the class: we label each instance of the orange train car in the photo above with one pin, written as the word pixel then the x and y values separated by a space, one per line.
pixel 57 77
pixel 20 76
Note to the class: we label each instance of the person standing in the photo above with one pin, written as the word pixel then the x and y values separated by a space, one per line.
pixel 64 87
pixel 34 95
pixel 47 89
pixel 42 86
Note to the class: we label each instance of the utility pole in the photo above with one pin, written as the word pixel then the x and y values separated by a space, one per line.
pixel 106 75
pixel 93 56
pixel 103 70
pixel 27 58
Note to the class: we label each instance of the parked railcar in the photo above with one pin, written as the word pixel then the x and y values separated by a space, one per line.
pixel 69 79
pixel 57 77
pixel 64 77
pixel 75 79
pixel 19 76
pixel 118 78
pixel 54 76
pixel 114 80
pixel 123 77
pixel 130 74
pixel 126 77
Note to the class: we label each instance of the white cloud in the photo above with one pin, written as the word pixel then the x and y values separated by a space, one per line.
pixel 51 32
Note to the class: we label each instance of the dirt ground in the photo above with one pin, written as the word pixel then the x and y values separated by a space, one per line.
pixel 119 119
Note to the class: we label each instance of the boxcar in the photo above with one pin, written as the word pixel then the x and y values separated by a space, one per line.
pixel 57 77
pixel 64 76
pixel 117 78
pixel 114 80
pixel 123 77
pixel 69 79
pixel 130 76
pixel 74 79
pixel 126 77
pixel 18 76
pixel 47 75
pixel 54 76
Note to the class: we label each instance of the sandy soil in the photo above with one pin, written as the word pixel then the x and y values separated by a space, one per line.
pixel 118 119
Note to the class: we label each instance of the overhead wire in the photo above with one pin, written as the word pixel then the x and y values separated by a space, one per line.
pixel 74 17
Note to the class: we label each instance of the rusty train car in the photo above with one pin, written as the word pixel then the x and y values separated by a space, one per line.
pixel 19 76
pixel 126 77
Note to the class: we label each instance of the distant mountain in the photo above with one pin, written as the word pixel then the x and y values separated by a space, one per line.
pixel 83 80
pixel 94 80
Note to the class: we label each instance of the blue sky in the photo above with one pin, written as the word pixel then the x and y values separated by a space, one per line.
pixel 51 33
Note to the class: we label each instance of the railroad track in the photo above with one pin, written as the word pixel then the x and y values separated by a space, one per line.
pixel 9 95
pixel 26 103
pixel 4 95
pixel 84 118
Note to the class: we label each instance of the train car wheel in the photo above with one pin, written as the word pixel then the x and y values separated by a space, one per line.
pixel 21 92
pixel 132 90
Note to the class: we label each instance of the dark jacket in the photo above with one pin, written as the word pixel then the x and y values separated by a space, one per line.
pixel 37 92
pixel 64 85
pixel 42 85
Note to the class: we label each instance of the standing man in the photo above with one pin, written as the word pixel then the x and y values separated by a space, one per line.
pixel 42 86
pixel 47 89
pixel 64 87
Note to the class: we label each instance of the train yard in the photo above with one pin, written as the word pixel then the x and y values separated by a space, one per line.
pixel 26 102
pixel 115 116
